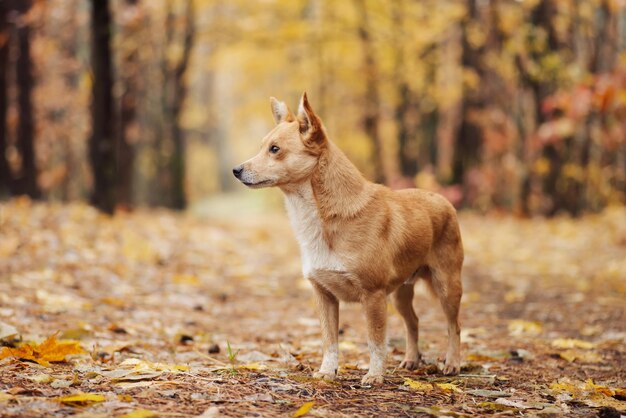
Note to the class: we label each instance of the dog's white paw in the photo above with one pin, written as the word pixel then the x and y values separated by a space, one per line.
pixel 372 379
pixel 329 376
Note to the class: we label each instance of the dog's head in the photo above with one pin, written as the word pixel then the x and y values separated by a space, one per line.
pixel 289 152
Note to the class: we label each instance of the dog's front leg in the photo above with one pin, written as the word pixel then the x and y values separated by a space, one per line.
pixel 375 305
pixel 328 307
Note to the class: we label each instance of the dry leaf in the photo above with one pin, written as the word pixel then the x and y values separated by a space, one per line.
pixel 426 386
pixel 303 410
pixel 51 350
pixel 138 413
pixel 81 399
pixel 572 343
pixel 253 366
pixel 581 356
pixel 417 385
pixel 522 327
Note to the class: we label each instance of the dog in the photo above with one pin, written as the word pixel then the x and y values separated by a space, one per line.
pixel 360 241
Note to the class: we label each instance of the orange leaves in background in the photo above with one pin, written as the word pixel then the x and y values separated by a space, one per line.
pixel 51 350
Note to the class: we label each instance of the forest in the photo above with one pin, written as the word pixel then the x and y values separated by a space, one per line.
pixel 510 105
pixel 139 278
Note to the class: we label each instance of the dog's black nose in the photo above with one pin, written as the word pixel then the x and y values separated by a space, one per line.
pixel 237 171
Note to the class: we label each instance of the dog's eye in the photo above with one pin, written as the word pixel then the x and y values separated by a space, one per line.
pixel 274 149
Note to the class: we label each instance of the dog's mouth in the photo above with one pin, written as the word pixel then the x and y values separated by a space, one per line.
pixel 257 184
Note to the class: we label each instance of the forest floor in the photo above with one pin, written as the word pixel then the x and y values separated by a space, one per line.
pixel 159 314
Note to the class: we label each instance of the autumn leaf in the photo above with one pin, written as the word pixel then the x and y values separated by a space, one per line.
pixel 523 327
pixel 581 356
pixel 51 350
pixel 303 410
pixel 81 399
pixel 138 413
pixel 417 385
pixel 572 343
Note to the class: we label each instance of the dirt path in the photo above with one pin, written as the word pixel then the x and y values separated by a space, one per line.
pixel 152 297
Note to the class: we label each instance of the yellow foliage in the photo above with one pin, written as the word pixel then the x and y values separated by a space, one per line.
pixel 81 399
pixel 303 410
pixel 572 343
pixel 522 327
pixel 138 413
pixel 425 386
pixel 581 356
pixel 51 350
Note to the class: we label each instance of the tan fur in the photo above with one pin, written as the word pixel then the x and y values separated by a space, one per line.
pixel 360 241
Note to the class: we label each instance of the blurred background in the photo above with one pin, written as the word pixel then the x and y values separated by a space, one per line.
pixel 505 105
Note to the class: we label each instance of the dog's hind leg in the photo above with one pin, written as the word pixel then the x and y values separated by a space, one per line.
pixel 447 286
pixel 402 299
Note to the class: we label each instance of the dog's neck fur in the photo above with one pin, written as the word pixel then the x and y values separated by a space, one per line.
pixel 335 191
pixel 339 188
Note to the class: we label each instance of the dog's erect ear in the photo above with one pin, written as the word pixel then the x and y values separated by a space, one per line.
pixel 280 111
pixel 310 124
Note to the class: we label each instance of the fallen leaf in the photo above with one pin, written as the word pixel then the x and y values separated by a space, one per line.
pixel 488 393
pixel 81 399
pixel 448 387
pixel 303 410
pixel 523 327
pixel 7 331
pixel 138 413
pixel 572 343
pixel 417 385
pixel 253 366
pixel 426 386
pixel 51 350
pixel 41 378
pixel 581 356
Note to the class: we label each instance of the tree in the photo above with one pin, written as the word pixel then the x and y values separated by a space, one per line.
pixel 130 74
pixel 371 113
pixel 26 181
pixel 5 171
pixel 102 151
pixel 173 96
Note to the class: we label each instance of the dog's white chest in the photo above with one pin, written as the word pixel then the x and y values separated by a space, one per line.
pixel 305 220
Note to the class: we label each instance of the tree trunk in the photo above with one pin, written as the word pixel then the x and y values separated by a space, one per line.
pixel 5 171
pixel 102 142
pixel 408 146
pixel 371 117
pixel 468 143
pixel 26 181
pixel 174 93
pixel 130 80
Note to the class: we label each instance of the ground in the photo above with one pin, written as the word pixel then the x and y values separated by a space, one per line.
pixel 180 315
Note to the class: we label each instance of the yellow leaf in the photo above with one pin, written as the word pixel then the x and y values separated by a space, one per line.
pixel 303 410
pixel 599 388
pixel 253 366
pixel 81 399
pixel 572 343
pixel 480 357
pixel 51 350
pixel 522 327
pixel 138 413
pixel 581 356
pixel 188 279
pixel 5 397
pixel 448 387
pixel 417 385
pixel 41 378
